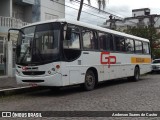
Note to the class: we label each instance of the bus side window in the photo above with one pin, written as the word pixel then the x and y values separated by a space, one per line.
pixel 110 42
pixel 129 45
pixel 145 47
pixel 89 39
pixel 71 43
pixel 74 42
pixel 106 41
pixel 102 41
pixel 119 43
pixel 138 46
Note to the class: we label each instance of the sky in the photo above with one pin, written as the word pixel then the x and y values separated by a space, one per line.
pixel 121 8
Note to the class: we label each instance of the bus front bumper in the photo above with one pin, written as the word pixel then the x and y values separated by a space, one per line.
pixel 52 80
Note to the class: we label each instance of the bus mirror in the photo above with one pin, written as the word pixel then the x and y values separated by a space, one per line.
pixel 68 34
pixel 8 36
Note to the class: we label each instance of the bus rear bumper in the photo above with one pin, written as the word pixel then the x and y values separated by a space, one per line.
pixel 52 80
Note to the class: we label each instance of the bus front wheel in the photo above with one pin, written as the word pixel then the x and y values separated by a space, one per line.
pixel 90 80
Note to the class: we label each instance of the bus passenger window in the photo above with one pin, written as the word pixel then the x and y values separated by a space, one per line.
pixel 129 45
pixel 138 46
pixel 119 43
pixel 106 41
pixel 102 41
pixel 89 39
pixel 74 40
pixel 71 44
pixel 145 48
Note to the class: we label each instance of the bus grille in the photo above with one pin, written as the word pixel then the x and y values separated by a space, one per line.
pixel 32 81
pixel 33 72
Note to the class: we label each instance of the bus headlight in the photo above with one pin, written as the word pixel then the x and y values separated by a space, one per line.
pixel 53 69
pixel 49 72
pixel 17 72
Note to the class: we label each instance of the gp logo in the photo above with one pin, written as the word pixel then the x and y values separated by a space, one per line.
pixel 107 59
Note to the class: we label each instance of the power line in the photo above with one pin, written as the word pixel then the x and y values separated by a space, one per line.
pixel 77 9
pixel 82 11
pixel 103 11
pixel 98 9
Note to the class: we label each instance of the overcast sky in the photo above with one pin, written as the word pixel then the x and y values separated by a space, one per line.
pixel 121 8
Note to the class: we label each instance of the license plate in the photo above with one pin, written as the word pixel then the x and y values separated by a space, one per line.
pixel 33 84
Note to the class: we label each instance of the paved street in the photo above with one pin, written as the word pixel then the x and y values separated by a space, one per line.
pixel 117 95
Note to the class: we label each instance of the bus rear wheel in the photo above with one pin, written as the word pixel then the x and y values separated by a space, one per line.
pixel 136 76
pixel 90 80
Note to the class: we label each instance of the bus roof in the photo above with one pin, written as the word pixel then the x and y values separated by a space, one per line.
pixel 79 23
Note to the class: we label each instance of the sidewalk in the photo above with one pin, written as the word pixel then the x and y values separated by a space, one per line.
pixel 8 86
pixel 8 82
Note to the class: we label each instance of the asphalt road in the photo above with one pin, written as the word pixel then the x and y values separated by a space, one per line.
pixel 115 95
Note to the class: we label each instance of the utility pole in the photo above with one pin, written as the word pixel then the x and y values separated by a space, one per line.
pixel 80 10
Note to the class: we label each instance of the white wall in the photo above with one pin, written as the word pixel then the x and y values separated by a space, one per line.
pixel 52 8
pixel 138 13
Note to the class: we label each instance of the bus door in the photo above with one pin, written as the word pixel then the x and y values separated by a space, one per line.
pixel 72 53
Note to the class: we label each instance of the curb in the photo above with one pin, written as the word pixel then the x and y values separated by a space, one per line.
pixel 19 90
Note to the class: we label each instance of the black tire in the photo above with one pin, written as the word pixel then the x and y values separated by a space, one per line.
pixel 136 76
pixel 90 80
pixel 55 89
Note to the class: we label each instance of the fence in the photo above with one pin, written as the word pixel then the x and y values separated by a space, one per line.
pixel 11 22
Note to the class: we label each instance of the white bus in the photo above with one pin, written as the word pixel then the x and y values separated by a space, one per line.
pixel 62 52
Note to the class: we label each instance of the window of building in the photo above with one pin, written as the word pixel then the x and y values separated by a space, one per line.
pixel 49 16
pixel 89 39
pixel 129 45
pixel 138 46
pixel 145 47
pixel 119 43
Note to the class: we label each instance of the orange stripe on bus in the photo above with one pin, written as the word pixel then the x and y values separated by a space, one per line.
pixel 140 60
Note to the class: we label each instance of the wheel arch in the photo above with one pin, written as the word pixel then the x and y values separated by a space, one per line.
pixel 137 67
pixel 95 72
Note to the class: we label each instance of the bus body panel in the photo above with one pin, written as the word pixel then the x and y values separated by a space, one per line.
pixel 52 80
pixel 72 73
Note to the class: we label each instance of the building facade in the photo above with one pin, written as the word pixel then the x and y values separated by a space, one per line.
pixel 17 13
pixel 140 17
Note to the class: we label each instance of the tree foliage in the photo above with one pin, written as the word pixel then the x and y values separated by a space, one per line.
pixel 148 33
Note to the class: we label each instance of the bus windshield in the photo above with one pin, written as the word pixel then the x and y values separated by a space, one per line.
pixel 38 45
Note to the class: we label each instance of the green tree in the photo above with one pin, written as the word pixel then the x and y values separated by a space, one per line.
pixel 148 33
pixel 101 4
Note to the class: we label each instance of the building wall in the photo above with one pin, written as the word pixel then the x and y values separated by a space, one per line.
pixel 36 11
pixel 137 13
pixel 157 20
pixel 28 14
pixel 18 11
pixel 5 8
pixel 51 9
